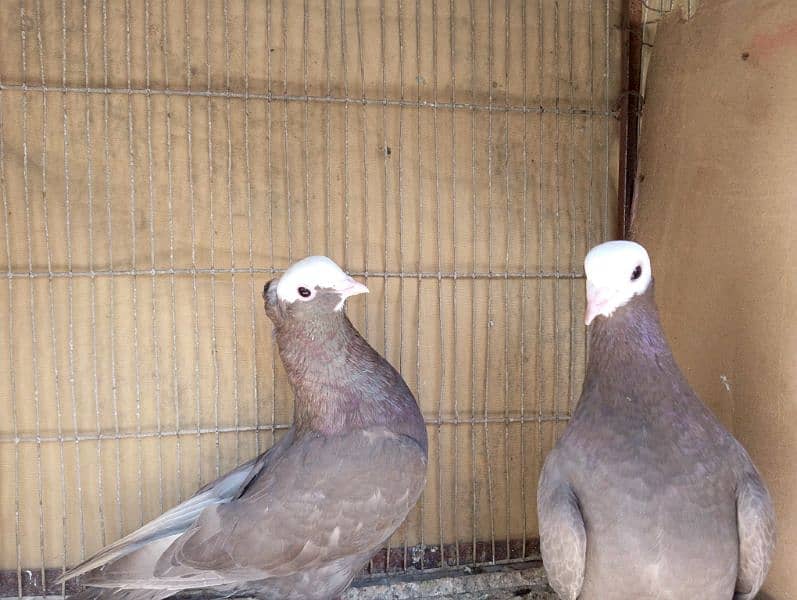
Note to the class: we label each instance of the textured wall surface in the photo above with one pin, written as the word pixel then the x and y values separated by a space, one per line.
pixel 162 160
pixel 718 211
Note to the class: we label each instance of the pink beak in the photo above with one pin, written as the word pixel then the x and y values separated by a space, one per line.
pixel 598 302
pixel 350 287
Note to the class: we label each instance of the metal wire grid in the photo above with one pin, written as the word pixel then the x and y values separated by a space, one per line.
pixel 653 12
pixel 470 418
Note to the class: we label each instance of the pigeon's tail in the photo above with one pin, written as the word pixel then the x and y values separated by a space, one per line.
pixel 103 593
pixel 170 523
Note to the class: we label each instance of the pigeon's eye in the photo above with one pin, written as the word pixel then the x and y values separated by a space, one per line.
pixel 304 292
pixel 637 273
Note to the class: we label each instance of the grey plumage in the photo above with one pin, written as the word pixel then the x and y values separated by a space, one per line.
pixel 300 520
pixel 646 495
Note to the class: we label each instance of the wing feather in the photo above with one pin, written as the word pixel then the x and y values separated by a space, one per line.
pixel 316 501
pixel 175 520
pixel 563 539
pixel 756 522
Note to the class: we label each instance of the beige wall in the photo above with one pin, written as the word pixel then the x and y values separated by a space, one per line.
pixel 718 211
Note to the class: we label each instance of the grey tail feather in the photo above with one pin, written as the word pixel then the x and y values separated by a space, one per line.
pixel 100 593
pixel 101 558
pixel 168 523
pixel 174 520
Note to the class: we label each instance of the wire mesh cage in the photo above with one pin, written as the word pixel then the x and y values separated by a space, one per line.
pixel 160 161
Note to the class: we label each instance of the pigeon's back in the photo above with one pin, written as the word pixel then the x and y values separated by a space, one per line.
pixel 299 527
pixel 312 520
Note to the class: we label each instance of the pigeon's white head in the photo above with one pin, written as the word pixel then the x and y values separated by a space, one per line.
pixel 616 272
pixel 301 282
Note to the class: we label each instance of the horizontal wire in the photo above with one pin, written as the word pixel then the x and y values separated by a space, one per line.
pixel 123 435
pixel 269 271
pixel 363 580
pixel 469 106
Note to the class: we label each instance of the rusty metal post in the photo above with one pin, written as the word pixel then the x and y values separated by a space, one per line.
pixel 629 110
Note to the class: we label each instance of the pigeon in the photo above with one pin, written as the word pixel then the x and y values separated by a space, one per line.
pixel 646 495
pixel 300 520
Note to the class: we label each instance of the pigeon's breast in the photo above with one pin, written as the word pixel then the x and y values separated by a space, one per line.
pixel 658 502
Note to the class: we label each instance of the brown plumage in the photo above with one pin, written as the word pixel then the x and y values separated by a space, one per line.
pixel 646 495
pixel 300 520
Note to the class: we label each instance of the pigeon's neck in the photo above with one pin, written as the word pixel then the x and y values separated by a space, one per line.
pixel 631 341
pixel 340 383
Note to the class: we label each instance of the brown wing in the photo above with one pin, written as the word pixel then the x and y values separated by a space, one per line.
pixel 320 500
pixel 175 520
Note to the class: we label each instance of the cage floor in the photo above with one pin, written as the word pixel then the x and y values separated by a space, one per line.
pixel 500 582
pixel 524 580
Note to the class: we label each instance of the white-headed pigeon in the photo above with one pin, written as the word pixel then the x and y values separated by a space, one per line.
pixel 300 520
pixel 646 495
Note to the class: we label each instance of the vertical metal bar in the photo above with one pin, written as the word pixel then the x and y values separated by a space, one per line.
pixel 250 232
pixel 131 166
pixel 455 322
pixel 606 82
pixel 590 156
pixel 109 215
pixel 557 218
pixel 507 165
pixel 343 37
pixel 474 495
pixel 235 392
pixel 540 226
pixel 172 290
pixel 212 243
pixel 522 374
pixel 270 210
pixel 327 112
pixel 441 330
pixel 631 69
pixel 192 201
pixel 573 212
pixel 490 321
pixel 384 201
pixel 288 197
pixel 623 105
pixel 31 289
pixel 151 193
pixel 591 129
pixel 305 162
pixel 93 294
pixel 364 117
pixel 155 344
pixel 12 376
pixel 50 295
pixel 69 285
pixel 422 503
pixel 401 218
